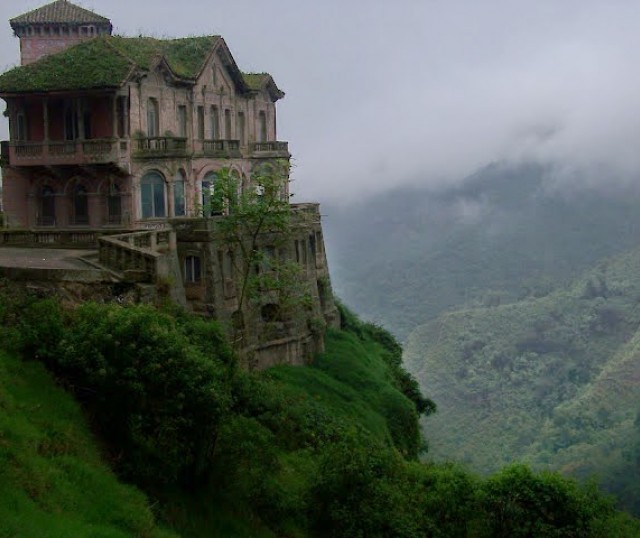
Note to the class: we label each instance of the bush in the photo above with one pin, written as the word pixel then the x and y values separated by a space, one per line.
pixel 519 503
pixel 156 395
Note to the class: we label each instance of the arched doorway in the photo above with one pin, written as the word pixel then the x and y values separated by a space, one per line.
pixel 114 204
pixel 80 205
pixel 47 216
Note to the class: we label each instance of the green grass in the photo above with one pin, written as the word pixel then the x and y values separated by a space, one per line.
pixel 52 480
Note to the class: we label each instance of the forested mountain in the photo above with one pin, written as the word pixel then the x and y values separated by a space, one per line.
pixel 553 381
pixel 507 232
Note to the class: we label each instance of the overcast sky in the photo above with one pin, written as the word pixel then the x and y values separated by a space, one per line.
pixel 381 93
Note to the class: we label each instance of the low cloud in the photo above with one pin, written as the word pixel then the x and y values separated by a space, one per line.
pixel 380 94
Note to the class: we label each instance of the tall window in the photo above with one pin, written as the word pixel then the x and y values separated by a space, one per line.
pixel 153 118
pixel 152 196
pixel 192 270
pixel 201 123
pixel 227 124
pixel 241 128
pixel 178 196
pixel 215 123
pixel 80 205
pixel 262 126
pixel 182 121
pixel 114 204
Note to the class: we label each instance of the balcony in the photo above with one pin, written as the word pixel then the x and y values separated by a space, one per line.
pixel 160 147
pixel 72 152
pixel 224 149
pixel 272 150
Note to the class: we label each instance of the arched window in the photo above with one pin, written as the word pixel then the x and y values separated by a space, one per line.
pixel 80 205
pixel 215 124
pixel 179 209
pixel 152 196
pixel 262 126
pixel 47 215
pixel 211 204
pixel 153 118
pixel 114 204
pixel 192 270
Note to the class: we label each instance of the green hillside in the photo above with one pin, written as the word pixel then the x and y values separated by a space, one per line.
pixel 552 381
pixel 325 450
pixel 53 482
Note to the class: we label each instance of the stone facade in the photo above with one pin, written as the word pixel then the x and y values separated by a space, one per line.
pixel 130 165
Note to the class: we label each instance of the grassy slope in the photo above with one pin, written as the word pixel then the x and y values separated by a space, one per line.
pixel 52 481
pixel 553 380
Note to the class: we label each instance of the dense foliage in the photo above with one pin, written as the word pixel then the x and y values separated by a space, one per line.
pixel 552 380
pixel 326 450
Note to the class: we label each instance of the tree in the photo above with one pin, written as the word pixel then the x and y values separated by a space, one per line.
pixel 257 228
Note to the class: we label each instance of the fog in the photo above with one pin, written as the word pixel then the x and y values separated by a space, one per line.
pixel 381 94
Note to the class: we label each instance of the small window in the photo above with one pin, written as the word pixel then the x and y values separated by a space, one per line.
pixel 227 124
pixel 192 270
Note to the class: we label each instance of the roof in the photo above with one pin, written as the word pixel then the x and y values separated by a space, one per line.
pixel 107 62
pixel 263 81
pixel 59 11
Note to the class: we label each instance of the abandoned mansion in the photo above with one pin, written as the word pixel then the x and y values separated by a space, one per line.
pixel 117 146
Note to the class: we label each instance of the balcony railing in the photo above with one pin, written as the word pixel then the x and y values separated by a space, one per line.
pixel 160 146
pixel 68 152
pixel 274 148
pixel 221 148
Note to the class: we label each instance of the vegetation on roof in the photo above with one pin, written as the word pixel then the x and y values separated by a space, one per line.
pixel 105 62
pixel 255 81
pixel 90 65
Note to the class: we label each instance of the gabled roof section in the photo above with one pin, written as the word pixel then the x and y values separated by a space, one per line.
pixel 107 62
pixel 263 81
pixel 59 11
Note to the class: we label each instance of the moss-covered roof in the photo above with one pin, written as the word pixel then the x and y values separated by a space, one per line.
pixel 263 81
pixel 59 11
pixel 106 62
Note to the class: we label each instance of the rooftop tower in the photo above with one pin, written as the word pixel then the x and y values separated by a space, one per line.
pixel 55 27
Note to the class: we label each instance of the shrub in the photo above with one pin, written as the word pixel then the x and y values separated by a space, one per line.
pixel 155 394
